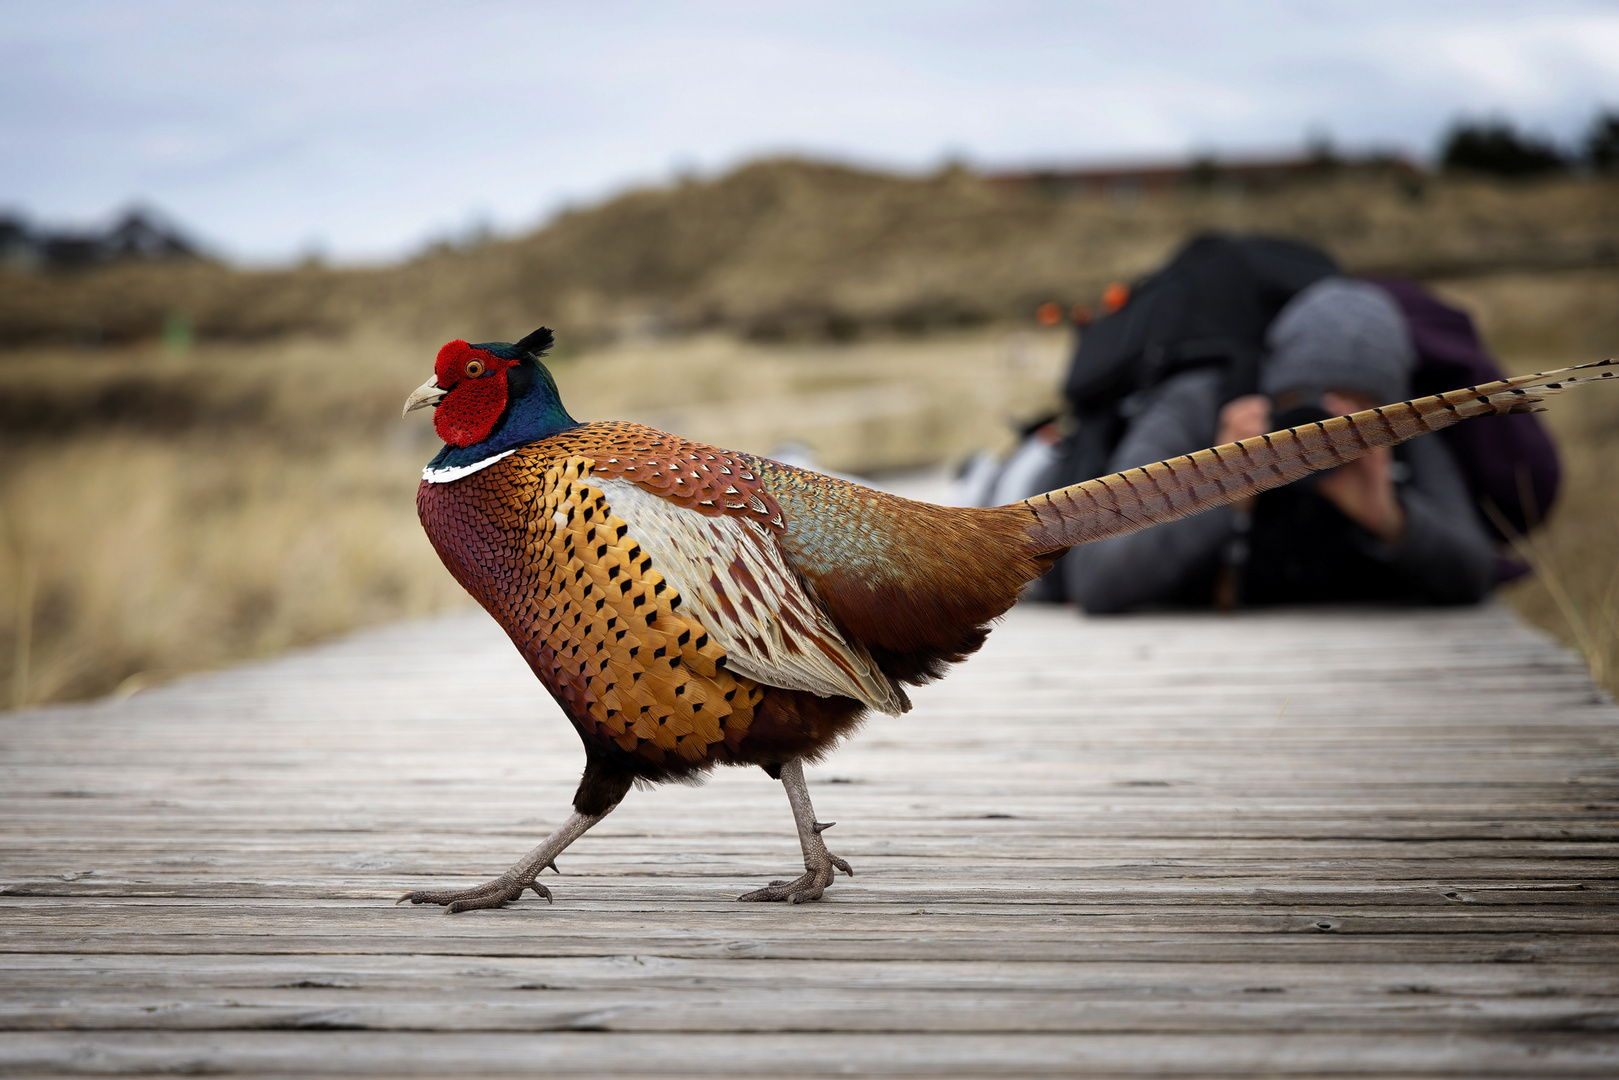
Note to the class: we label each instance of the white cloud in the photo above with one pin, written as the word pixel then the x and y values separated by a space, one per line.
pixel 1534 62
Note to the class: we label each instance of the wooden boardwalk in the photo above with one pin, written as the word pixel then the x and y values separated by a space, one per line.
pixel 1101 847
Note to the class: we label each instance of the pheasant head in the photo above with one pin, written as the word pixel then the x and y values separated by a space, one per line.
pixel 490 398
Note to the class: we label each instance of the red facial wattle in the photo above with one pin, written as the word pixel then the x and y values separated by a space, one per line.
pixel 475 385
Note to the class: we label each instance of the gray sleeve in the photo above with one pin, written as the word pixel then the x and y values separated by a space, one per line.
pixel 1110 576
pixel 1445 551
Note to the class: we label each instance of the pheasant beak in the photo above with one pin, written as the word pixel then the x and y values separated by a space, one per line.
pixel 426 394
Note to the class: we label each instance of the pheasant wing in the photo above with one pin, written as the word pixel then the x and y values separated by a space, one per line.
pixel 731 571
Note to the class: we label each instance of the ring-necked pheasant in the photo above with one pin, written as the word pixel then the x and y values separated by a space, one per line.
pixel 689 606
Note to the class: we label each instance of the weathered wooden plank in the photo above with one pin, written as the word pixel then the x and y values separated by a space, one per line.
pixel 846 1009
pixel 1323 948
pixel 942 913
pixel 450 973
pixel 853 1053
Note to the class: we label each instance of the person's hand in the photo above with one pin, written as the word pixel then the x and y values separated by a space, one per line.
pixel 1243 418
pixel 1363 489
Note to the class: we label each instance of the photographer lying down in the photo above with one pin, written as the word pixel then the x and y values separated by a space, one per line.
pixel 1390 526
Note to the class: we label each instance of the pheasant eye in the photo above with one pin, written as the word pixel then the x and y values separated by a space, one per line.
pixel 474 368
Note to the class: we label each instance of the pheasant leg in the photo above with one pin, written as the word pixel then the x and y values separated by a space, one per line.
pixel 510 885
pixel 819 863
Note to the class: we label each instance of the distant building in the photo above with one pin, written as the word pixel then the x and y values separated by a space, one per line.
pixel 139 234
pixel 17 247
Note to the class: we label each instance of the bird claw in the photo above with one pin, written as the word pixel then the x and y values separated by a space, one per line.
pixel 491 894
pixel 806 887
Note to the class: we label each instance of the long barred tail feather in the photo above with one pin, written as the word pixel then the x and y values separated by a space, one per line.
pixel 1166 490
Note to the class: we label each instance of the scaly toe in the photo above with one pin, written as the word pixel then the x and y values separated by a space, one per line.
pixel 487 900
pixel 490 894
pixel 776 890
pixel 808 886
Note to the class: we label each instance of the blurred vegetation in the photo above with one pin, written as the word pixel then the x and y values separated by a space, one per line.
pixel 1498 148
pixel 164 514
pixel 1534 322
pixel 788 250
pixel 206 463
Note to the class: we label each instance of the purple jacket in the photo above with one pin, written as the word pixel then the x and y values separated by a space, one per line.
pixel 1507 460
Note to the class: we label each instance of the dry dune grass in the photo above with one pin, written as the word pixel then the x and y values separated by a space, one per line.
pixel 129 559
pixel 789 249
pixel 1575 593
pixel 865 407
pixel 226 504
pixel 795 249
pixel 1541 321
pixel 162 513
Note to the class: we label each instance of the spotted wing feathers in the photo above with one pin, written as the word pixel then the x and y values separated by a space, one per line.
pixel 731 571
pixel 706 479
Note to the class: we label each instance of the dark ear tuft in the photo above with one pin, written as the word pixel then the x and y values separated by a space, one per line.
pixel 537 342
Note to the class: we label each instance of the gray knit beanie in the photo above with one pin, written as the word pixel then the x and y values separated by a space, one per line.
pixel 1339 334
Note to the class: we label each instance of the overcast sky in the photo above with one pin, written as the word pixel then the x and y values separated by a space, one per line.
pixel 362 129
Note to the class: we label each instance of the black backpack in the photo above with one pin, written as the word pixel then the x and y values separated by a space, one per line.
pixel 1209 307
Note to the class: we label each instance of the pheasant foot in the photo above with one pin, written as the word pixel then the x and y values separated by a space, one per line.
pixel 819 864
pixel 514 882
pixel 806 887
pixel 496 893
